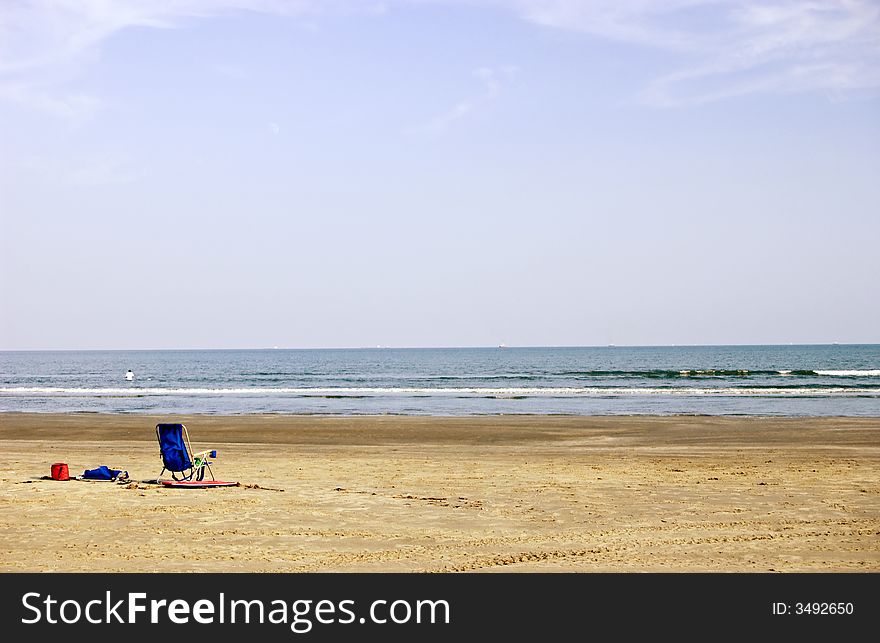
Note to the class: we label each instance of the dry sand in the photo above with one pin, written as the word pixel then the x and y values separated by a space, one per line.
pixel 506 493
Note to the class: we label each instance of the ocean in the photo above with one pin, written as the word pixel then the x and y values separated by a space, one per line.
pixel 808 380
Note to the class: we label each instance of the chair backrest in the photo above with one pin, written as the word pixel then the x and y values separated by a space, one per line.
pixel 175 455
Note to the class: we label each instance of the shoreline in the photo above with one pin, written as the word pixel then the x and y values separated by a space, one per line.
pixel 415 429
pixel 430 415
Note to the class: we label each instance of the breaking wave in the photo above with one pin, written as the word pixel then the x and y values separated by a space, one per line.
pixel 587 391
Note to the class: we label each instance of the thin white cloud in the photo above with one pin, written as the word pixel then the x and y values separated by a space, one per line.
pixel 492 79
pixel 72 106
pixel 635 21
pixel 734 47
pixel 46 43
pixel 722 47
pixel 38 33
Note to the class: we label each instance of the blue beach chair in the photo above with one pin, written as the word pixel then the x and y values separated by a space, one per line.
pixel 177 454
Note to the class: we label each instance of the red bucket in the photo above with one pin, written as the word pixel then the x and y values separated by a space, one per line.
pixel 60 471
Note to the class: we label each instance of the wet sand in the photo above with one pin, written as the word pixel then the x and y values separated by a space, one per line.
pixel 500 493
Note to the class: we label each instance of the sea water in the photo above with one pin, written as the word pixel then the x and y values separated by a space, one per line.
pixel 715 380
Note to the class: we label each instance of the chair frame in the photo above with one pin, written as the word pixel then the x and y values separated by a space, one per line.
pixel 199 461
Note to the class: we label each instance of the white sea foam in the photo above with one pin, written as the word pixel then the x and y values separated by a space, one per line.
pixel 853 373
pixel 592 391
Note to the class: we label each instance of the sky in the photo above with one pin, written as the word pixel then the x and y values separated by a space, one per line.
pixel 259 173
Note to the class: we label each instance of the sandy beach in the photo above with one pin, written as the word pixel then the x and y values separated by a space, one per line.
pixel 414 494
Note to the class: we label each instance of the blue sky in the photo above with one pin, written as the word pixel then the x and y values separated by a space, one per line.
pixel 237 173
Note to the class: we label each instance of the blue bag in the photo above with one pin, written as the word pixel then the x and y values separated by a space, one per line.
pixel 104 473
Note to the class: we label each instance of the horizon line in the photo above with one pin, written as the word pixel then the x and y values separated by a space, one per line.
pixel 388 347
